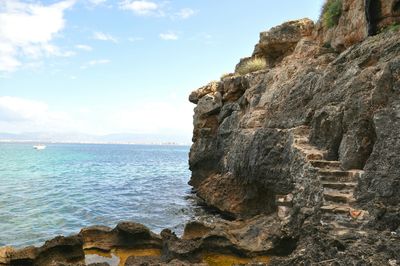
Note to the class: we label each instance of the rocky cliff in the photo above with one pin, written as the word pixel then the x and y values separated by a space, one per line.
pixel 313 138
pixel 300 156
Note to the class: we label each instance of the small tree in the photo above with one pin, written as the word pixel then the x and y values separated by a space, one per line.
pixel 331 12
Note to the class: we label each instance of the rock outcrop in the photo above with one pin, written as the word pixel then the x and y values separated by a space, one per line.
pixel 301 157
pixel 133 244
pixel 312 139
pixel 359 19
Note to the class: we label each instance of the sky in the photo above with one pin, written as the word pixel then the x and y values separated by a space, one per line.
pixel 123 66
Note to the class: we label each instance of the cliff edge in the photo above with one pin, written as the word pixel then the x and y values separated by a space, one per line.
pixel 313 137
pixel 301 156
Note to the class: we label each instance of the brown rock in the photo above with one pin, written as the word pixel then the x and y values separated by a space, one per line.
pixel 280 41
pixel 135 235
pixel 175 248
pixel 25 256
pixel 6 254
pixel 195 230
pixel 359 19
pixel 60 250
pixel 135 230
pixel 388 13
pixel 100 237
pixel 196 95
pixel 143 261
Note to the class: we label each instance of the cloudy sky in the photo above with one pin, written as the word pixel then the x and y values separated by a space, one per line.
pixel 122 66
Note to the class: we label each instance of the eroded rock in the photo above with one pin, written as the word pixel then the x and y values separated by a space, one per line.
pixel 280 41
pixel 319 125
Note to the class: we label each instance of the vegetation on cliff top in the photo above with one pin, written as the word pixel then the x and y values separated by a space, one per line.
pixel 251 65
pixel 392 27
pixel 331 12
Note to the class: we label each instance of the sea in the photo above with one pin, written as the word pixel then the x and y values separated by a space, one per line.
pixel 59 190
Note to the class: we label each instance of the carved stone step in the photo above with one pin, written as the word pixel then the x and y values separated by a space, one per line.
pixel 339 185
pixel 284 200
pixel 337 176
pixel 326 164
pixel 332 172
pixel 301 131
pixel 344 209
pixel 301 140
pixel 356 173
pixel 341 231
pixel 345 232
pixel 334 196
pixel 314 156
pixel 284 203
pixel 340 221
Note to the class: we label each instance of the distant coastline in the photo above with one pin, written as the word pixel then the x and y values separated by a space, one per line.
pixel 162 138
pixel 95 143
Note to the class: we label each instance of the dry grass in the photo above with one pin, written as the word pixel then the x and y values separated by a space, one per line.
pixel 252 66
pixel 227 75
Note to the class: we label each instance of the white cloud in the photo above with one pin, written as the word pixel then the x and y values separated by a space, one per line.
pixel 99 62
pixel 185 13
pixel 157 9
pixel 27 29
pixel 135 39
pixel 104 37
pixel 153 117
pixel 8 62
pixel 141 7
pixel 169 36
pixel 84 47
pixel 97 2
pixel 18 114
pixel 95 62
pixel 25 115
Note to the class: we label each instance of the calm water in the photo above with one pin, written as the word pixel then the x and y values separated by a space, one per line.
pixel 68 186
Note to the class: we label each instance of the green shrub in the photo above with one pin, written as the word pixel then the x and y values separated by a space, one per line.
pixel 331 12
pixel 393 27
pixel 251 66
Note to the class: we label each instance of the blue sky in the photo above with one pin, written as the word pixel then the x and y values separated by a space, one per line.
pixel 123 66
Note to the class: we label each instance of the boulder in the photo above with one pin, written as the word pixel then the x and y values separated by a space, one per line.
pixel 5 254
pixel 99 237
pixel 280 41
pixel 60 250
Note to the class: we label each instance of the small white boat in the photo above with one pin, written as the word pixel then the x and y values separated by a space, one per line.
pixel 39 147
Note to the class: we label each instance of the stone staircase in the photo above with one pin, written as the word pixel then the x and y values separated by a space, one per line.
pixel 338 185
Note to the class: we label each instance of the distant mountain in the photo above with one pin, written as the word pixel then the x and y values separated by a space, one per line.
pixel 87 138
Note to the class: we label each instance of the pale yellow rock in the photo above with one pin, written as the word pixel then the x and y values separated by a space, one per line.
pixel 5 254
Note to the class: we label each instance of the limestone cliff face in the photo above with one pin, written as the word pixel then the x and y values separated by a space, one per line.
pixel 359 19
pixel 318 130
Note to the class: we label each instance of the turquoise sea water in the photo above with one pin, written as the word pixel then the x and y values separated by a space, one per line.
pixel 65 187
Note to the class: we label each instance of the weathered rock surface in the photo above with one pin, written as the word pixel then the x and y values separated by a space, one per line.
pixel 281 41
pixel 313 139
pixel 359 19
pixel 125 235
pixel 301 156
pixel 239 240
pixel 58 251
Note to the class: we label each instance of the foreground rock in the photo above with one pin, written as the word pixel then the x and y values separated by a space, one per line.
pixel 133 244
pixel 58 251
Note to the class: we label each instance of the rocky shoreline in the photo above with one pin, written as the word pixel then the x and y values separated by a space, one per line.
pixel 134 244
pixel 302 156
